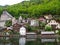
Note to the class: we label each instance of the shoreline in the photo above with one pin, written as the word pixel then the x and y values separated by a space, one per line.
pixel 32 36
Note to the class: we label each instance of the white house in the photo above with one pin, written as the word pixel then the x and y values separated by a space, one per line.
pixel 53 22
pixel 4 17
pixel 34 22
pixel 22 31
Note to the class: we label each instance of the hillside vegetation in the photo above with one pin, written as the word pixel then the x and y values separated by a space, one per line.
pixel 34 8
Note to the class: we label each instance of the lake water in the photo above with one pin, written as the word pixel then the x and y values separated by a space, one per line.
pixel 29 41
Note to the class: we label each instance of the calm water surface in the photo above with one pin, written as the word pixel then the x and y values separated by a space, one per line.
pixel 29 41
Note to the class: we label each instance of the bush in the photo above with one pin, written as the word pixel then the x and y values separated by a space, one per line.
pixel 42 24
pixel 48 28
pixel 59 32
pixel 8 23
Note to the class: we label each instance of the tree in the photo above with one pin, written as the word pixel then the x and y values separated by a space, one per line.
pixel 8 23
pixel 48 28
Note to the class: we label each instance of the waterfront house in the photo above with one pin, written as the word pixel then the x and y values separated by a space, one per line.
pixel 53 23
pixel 14 21
pixel 48 18
pixel 34 22
pixel 4 17
pixel 42 19
pixel 47 34
pixel 22 31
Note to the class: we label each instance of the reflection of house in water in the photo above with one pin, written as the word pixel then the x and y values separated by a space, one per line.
pixel 5 41
pixel 22 41
pixel 31 35
pixel 51 41
pixel 31 39
pixel 47 40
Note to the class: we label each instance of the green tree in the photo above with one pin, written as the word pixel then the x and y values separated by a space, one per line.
pixel 48 28
pixel 8 23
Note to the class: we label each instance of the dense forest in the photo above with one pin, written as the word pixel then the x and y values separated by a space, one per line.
pixel 34 8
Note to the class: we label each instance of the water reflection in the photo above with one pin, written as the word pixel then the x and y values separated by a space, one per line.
pixel 28 41
pixel 22 41
pixel 47 40
pixel 4 41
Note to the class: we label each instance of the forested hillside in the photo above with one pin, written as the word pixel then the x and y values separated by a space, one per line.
pixel 1 9
pixel 34 8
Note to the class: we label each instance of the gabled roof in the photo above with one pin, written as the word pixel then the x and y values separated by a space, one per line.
pixel 5 16
pixel 6 13
pixel 48 16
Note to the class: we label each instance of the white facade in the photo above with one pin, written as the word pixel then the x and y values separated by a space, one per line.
pixel 53 22
pixel 14 21
pixel 34 23
pixel 4 17
pixel 2 23
pixel 22 31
